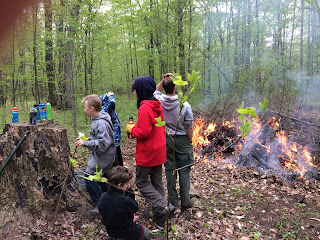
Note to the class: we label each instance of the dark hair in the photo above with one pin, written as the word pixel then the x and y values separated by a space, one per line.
pixel 133 87
pixel 118 175
pixel 94 101
pixel 168 85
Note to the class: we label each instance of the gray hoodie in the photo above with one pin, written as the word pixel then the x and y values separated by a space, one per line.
pixel 170 105
pixel 101 144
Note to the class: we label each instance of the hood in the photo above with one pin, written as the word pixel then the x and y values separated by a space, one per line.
pixel 169 102
pixel 105 116
pixel 145 87
pixel 155 105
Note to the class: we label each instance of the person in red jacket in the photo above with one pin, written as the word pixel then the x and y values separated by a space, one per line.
pixel 150 147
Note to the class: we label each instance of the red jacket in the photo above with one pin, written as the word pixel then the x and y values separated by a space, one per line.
pixel 151 140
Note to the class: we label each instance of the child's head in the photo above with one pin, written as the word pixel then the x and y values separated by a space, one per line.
pixel 168 85
pixel 92 104
pixel 120 177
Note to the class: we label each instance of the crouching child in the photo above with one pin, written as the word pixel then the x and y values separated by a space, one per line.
pixel 117 207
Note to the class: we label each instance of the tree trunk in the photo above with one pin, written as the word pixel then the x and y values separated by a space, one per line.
pixel 13 70
pixel 49 54
pixel 180 14
pixel 31 182
pixel 301 35
pixel 36 84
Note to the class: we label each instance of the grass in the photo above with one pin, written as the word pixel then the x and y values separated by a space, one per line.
pixel 125 107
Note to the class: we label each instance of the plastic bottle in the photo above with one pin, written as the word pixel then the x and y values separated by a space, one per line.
pixel 43 111
pixel 33 116
pixel 15 115
pixel 130 122
pixel 49 111
pixel 36 106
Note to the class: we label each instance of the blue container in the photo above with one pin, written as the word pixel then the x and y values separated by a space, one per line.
pixel 15 115
pixel 43 111
pixel 36 106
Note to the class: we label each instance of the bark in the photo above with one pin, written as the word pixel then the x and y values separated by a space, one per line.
pixel 180 14
pixel 49 54
pixel 13 70
pixel 35 60
pixel 301 35
pixel 30 184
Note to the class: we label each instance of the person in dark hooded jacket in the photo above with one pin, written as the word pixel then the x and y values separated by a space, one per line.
pixel 150 147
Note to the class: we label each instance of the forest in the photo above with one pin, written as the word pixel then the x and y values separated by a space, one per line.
pixel 59 51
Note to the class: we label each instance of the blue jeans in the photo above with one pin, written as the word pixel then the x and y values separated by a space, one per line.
pixel 95 189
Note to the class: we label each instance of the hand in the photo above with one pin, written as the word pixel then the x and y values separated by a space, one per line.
pixel 110 93
pixel 167 75
pixel 129 127
pixel 79 142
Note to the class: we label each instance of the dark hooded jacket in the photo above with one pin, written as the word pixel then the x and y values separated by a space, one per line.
pixel 151 140
pixel 117 210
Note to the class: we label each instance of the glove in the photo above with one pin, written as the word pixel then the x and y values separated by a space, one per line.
pixel 129 127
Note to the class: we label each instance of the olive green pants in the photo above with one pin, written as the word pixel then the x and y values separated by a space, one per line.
pixel 183 157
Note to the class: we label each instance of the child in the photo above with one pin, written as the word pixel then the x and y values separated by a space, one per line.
pixel 183 140
pixel 101 145
pixel 150 147
pixel 109 105
pixel 117 208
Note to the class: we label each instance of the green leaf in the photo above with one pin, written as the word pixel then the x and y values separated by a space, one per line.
pixel 159 122
pixel 242 105
pixel 248 110
pixel 174 227
pixel 256 235
pixel 245 128
pixel 73 162
pixel 193 77
pixel 243 111
pixel 264 105
pixel 241 117
pixel 179 81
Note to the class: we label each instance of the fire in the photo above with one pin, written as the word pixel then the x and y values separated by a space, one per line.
pixel 209 138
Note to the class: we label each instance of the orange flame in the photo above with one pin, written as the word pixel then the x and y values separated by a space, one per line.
pixel 292 156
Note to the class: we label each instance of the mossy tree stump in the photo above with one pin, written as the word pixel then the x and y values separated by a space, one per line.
pixel 32 181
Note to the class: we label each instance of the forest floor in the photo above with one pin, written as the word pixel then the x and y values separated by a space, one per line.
pixel 239 204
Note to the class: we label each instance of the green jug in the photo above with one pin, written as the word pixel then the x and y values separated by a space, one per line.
pixel 49 111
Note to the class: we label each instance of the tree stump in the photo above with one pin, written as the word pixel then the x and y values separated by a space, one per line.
pixel 32 181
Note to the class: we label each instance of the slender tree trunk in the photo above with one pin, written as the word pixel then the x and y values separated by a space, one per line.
pixel 180 8
pixel 70 98
pixel 190 36
pixel 292 31
pixel 301 35
pixel 85 64
pixel 49 54
pixel 35 60
pixel 13 70
pixel 62 57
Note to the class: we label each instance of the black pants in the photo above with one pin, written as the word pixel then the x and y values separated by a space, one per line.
pixel 118 158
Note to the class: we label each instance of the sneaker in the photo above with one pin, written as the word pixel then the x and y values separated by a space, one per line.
pixel 190 205
pixel 159 220
pixel 95 211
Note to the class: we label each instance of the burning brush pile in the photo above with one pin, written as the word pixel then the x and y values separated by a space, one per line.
pixel 267 148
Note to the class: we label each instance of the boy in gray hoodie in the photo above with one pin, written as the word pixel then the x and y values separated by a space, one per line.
pixel 183 143
pixel 101 144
